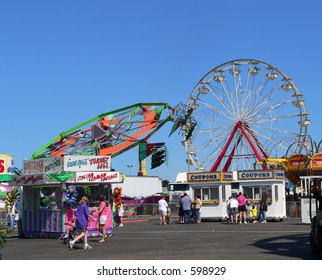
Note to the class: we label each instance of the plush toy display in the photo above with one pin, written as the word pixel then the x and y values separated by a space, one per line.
pixel 117 194
pixel 71 195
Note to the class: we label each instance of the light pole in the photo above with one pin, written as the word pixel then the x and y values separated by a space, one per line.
pixel 130 166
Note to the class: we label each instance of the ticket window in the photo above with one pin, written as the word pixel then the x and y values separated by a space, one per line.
pixel 255 192
pixel 207 194
pixel 31 198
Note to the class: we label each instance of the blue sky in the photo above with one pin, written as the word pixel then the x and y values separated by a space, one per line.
pixel 64 62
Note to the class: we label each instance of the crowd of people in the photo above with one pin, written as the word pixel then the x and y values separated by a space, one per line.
pixel 242 210
pixel 189 210
pixel 83 214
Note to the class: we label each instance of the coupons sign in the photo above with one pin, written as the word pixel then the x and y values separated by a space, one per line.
pixel 203 176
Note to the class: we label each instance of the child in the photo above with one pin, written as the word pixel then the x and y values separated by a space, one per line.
pixel 254 214
pixel 119 217
pixel 72 228
pixel 168 219
pixel 16 218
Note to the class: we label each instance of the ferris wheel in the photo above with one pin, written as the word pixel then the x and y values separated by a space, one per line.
pixel 242 112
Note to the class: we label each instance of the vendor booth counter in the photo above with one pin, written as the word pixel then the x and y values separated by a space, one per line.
pixel 50 198
pixel 53 224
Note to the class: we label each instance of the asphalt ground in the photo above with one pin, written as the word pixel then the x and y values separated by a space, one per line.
pixel 142 238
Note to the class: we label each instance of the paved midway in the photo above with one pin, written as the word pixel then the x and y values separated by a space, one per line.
pixel 142 238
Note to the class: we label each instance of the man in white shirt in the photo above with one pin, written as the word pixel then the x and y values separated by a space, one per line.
pixel 162 207
pixel 233 209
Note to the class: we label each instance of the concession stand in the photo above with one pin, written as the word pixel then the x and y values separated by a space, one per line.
pixel 52 188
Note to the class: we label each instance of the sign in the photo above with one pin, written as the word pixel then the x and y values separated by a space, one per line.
pixel 227 176
pixel 98 177
pixel 6 167
pixel 203 176
pixel 44 165
pixel 298 161
pixel 87 163
pixel 316 161
pixel 29 180
pixel 255 175
pixel 279 174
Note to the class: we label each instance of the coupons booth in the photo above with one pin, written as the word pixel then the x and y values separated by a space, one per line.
pixel 52 188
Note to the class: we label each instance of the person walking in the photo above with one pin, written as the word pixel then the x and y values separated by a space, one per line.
pixel 119 216
pixel 102 211
pixel 82 215
pixel 186 205
pixel 162 207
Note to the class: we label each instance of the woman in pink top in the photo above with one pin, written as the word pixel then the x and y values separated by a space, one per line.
pixel 102 213
pixel 242 208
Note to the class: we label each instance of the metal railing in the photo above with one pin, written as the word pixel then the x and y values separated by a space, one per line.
pixel 293 209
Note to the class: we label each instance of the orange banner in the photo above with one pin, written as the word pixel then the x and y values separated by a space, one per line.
pixel 316 162
pixel 298 161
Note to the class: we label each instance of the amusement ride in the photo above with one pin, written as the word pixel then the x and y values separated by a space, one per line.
pixel 241 115
pixel 245 114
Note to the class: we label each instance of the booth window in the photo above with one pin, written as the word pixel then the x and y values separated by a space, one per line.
pixel 276 192
pixel 207 193
pixel 255 192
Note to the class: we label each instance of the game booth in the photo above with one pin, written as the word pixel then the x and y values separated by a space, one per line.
pixel 52 188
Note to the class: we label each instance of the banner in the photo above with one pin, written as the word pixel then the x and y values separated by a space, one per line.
pixel 98 177
pixel 87 163
pixel 43 165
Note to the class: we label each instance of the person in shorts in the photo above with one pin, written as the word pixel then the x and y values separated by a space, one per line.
pixel 119 216
pixel 162 207
pixel 102 211
pixel 242 208
pixel 82 215
pixel 232 205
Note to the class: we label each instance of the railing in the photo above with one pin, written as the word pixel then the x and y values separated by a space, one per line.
pixel 293 209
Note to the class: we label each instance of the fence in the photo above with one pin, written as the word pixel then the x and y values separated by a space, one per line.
pixel 293 209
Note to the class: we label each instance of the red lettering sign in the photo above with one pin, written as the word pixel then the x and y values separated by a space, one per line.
pixel 2 166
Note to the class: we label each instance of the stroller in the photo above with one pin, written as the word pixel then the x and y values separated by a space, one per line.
pixel 71 233
pixel 168 218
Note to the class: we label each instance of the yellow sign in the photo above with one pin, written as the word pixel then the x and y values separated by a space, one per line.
pixel 316 161
pixel 298 161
